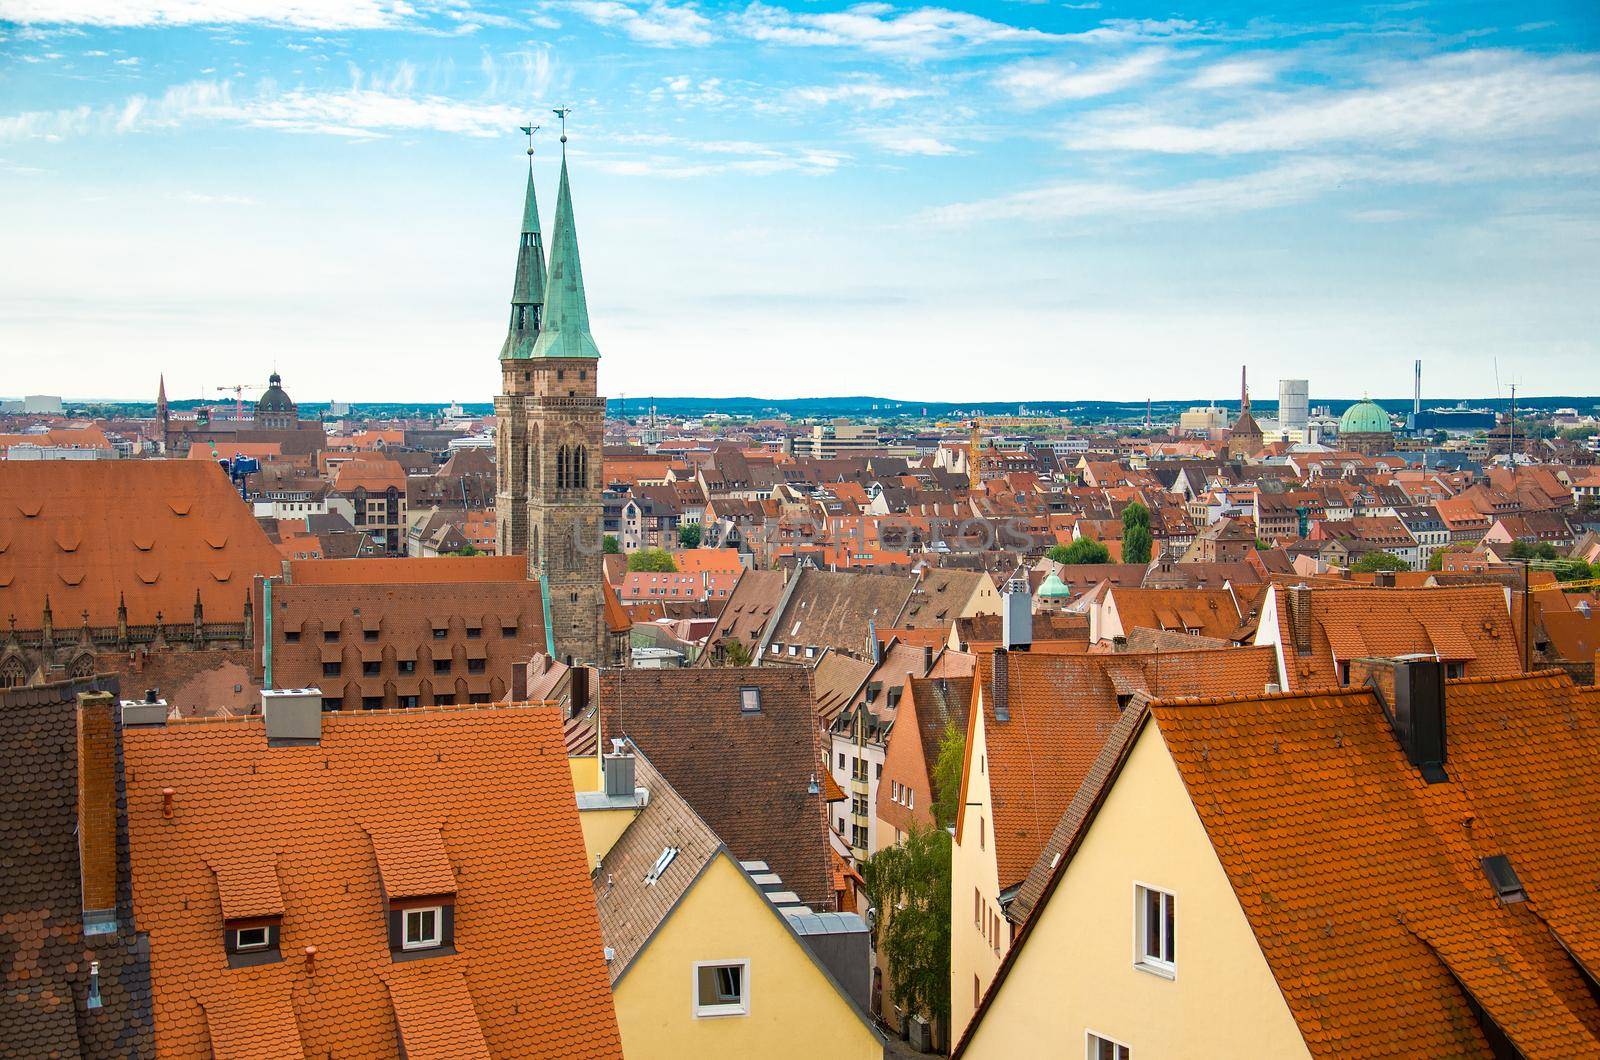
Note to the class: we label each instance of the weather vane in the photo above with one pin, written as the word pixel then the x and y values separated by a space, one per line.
pixel 562 112
pixel 529 130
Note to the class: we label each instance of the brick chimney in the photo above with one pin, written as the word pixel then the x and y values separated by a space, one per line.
pixel 1000 689
pixel 97 810
pixel 1300 617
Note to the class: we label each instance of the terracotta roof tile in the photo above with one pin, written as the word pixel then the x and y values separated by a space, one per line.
pixel 1364 884
pixel 248 887
pixel 496 784
pixel 260 1027
pixel 412 862
pixel 434 1011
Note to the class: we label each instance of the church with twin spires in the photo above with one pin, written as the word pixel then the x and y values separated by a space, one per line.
pixel 549 429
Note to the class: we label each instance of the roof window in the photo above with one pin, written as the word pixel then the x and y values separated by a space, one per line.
pixel 1507 885
pixel 661 864
pixel 749 700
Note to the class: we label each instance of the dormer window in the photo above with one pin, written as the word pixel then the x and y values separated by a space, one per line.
pixel 422 928
pixel 251 938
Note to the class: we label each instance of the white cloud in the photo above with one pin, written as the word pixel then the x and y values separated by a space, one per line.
pixel 521 75
pixel 907 141
pixel 1287 183
pixel 882 29
pixel 684 90
pixel 1465 96
pixel 357 112
pixel 1036 83
pixel 657 23
pixel 1234 73
pixel 865 93
pixel 304 14
pixel 132 60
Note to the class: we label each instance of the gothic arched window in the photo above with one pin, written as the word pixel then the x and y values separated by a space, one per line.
pixel 580 468
pixel 563 474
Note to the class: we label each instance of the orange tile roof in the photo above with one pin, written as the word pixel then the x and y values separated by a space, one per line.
pixel 65 437
pixel 493 781
pixel 88 533
pixel 248 887
pixel 1062 707
pixel 1364 884
pixel 256 1028
pixel 434 1011
pixel 412 862
pixel 409 570
pixel 374 476
pixel 1469 624
pixel 1212 611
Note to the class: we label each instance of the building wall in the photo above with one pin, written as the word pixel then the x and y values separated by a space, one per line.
pixel 795 1012
pixel 973 957
pixel 1076 973
pixel 602 829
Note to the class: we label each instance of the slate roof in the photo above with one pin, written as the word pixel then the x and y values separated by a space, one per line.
pixel 88 533
pixel 494 786
pixel 1062 708
pixel 749 608
pixel 44 955
pixel 745 774
pixel 833 609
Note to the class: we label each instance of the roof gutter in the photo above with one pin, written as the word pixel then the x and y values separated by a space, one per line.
pixel 549 631
pixel 266 632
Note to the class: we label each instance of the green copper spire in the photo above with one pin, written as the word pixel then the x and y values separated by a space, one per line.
pixel 565 329
pixel 527 294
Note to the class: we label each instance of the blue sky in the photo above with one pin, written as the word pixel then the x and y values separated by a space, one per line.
pixel 999 200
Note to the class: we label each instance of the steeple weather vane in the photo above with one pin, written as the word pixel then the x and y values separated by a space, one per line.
pixel 529 130
pixel 562 112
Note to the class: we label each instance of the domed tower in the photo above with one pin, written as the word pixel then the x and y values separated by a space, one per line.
pixel 276 411
pixel 1366 428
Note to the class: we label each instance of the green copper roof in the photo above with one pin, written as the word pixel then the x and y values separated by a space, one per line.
pixel 1053 586
pixel 565 329
pixel 527 293
pixel 1365 417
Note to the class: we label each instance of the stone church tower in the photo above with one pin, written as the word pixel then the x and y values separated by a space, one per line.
pixel 550 425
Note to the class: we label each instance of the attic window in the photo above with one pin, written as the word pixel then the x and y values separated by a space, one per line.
pixel 749 700
pixel 661 865
pixel 423 928
pixel 1504 878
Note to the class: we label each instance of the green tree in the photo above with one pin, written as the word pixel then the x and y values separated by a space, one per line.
pixel 610 545
pixel 1375 561
pixel 909 886
pixel 1136 539
pixel 468 549
pixel 947 775
pixel 1083 550
pixel 689 535
pixel 734 653
pixel 1571 570
pixel 656 560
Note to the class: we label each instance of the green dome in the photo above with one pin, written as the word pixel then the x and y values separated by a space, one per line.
pixel 1054 586
pixel 1365 417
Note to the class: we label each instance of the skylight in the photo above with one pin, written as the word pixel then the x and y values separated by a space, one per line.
pixel 661 865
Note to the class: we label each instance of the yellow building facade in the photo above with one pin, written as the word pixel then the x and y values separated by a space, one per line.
pixel 1080 972
pixel 979 931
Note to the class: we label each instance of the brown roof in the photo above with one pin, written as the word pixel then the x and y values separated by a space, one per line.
pixel 492 782
pixel 1062 707
pixel 631 908
pixel 1213 612
pixel 88 533
pixel 44 954
pixel 746 774
pixel 409 570
pixel 749 608
pixel 1047 626
pixel 1364 884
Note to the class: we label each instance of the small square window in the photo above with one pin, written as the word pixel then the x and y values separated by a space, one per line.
pixel 445 701
pixel 369 634
pixel 1103 1048
pixel 422 928
pixel 330 636
pixel 750 701
pixel 291 636
pixel 722 989
pixel 256 938
pixel 1156 914
pixel 440 632
pixel 406 666
pixel 474 632
pixel 441 666
pixel 477 666
pixel 371 668
pixel 330 669
pixel 371 702
pixel 508 631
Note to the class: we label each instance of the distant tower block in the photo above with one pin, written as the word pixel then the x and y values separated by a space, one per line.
pixel 1293 404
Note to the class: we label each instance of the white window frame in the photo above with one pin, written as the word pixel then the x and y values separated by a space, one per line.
pixel 1155 965
pixel 718 1011
pixel 1092 1039
pixel 408 943
pixel 242 946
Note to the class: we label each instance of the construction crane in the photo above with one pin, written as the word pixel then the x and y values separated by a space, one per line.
pixel 976 426
pixel 238 390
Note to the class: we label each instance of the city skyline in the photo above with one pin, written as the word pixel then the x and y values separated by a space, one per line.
pixel 978 201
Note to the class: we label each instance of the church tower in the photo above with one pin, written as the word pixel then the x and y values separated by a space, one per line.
pixel 550 419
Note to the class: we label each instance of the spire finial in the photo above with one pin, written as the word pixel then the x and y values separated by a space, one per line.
pixel 529 130
pixel 562 112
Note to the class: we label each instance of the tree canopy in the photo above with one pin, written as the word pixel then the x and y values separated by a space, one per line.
pixel 1136 539
pixel 947 775
pixel 655 560
pixel 909 885
pixel 1083 550
pixel 689 535
pixel 1376 561
pixel 610 546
